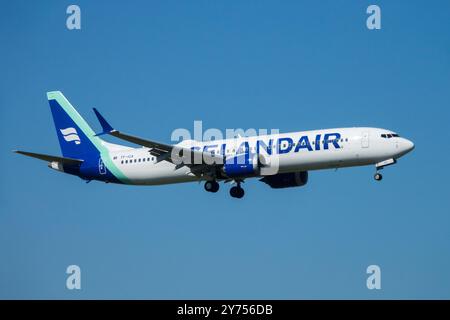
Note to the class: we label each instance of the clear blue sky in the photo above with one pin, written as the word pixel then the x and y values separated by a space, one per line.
pixel 154 66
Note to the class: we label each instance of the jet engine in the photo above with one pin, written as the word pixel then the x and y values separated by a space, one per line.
pixel 286 180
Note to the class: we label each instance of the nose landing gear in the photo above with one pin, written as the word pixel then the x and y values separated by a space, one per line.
pixel 381 165
pixel 378 176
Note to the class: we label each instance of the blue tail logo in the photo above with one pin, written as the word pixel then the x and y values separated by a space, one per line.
pixel 70 134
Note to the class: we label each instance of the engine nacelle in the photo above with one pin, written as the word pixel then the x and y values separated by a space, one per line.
pixel 243 165
pixel 286 180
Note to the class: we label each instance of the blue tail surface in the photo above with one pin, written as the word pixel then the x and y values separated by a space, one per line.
pixel 78 141
pixel 76 138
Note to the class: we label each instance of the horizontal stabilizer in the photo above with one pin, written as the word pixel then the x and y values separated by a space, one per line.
pixel 68 161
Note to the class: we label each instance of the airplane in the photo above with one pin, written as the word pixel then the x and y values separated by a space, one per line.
pixel 280 160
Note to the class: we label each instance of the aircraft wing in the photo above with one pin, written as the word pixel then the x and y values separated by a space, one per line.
pixel 157 149
pixel 162 151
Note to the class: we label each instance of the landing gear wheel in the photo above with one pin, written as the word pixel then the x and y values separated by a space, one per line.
pixel 237 192
pixel 378 176
pixel 211 186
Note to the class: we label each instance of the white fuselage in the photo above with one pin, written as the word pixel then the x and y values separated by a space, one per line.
pixel 308 151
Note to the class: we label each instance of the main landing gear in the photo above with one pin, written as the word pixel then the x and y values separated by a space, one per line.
pixel 237 191
pixel 212 186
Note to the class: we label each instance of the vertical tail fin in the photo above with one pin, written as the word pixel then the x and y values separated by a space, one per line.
pixel 76 138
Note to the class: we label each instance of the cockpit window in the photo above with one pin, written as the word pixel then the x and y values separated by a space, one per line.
pixel 389 135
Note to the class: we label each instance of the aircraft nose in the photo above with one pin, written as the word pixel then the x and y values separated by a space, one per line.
pixel 408 145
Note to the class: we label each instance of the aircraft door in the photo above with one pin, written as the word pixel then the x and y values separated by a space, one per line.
pixel 101 166
pixel 365 139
